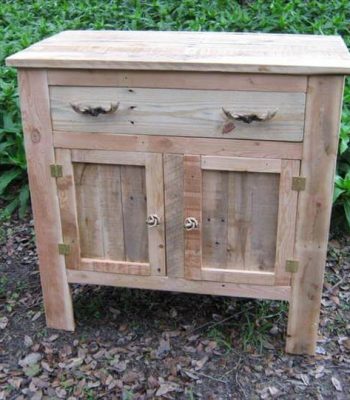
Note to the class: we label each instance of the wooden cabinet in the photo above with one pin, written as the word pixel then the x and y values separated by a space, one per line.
pixel 194 162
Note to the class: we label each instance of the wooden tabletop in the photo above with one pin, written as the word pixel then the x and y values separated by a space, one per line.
pixel 188 51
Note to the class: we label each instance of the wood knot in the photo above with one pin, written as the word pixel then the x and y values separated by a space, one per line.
pixel 35 136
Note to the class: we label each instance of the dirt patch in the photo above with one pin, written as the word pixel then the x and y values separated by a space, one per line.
pixel 138 344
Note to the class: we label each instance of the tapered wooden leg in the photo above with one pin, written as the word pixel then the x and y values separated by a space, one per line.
pixel 323 108
pixel 40 154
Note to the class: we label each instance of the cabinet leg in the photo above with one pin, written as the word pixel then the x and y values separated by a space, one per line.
pixel 37 128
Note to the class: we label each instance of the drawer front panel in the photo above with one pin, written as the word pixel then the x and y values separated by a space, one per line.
pixel 177 112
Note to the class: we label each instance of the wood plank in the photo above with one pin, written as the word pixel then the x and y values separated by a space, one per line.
pixel 189 51
pixel 174 220
pixel 115 267
pixel 193 208
pixel 98 191
pixel 177 112
pixel 34 99
pixel 68 208
pixel 179 145
pixel 134 214
pixel 252 221
pixel 181 285
pixel 155 205
pixel 178 80
pixel 246 277
pixel 241 164
pixel 214 216
pixel 287 211
pixel 314 208
pixel 108 157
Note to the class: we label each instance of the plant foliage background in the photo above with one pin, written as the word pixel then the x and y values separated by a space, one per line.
pixel 25 22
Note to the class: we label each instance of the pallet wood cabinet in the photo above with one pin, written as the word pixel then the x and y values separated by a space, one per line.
pixel 194 162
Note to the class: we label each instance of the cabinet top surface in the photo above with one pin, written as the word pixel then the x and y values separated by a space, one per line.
pixel 188 51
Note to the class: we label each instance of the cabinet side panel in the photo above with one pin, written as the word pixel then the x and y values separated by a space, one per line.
pixel 323 111
pixel 40 154
pixel 173 190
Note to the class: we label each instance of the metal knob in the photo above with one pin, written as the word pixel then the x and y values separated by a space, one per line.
pixel 191 223
pixel 153 220
pixel 95 111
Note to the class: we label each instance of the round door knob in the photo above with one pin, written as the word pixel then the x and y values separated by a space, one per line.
pixel 153 220
pixel 191 223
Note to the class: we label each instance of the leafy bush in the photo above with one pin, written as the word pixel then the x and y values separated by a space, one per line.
pixel 23 23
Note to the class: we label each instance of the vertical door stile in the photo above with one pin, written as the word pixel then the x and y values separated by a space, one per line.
pixel 155 205
pixel 287 210
pixel 68 208
pixel 193 209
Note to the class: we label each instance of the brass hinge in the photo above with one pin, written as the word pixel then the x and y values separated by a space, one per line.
pixel 63 249
pixel 298 183
pixel 56 170
pixel 292 266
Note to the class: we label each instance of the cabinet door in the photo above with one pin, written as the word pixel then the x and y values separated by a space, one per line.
pixel 112 211
pixel 239 219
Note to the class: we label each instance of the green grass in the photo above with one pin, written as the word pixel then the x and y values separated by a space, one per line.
pixel 25 22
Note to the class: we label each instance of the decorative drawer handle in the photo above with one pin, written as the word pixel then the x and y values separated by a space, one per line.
pixel 249 118
pixel 191 223
pixel 153 220
pixel 95 111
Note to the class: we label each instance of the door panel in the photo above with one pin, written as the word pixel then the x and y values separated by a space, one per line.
pixel 245 210
pixel 113 194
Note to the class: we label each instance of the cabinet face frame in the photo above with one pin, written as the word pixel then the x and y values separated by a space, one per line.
pixel 194 165
pixel 153 164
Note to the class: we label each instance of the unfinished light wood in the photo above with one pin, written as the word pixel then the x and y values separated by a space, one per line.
pixel 180 285
pixel 169 112
pixel 189 51
pixel 193 208
pixel 314 209
pixel 239 225
pixel 287 210
pixel 155 205
pixel 68 208
pixel 45 205
pixel 178 80
pixel 179 145
pixel 115 267
pixel 241 164
pixel 134 214
pixel 172 149
pixel 173 197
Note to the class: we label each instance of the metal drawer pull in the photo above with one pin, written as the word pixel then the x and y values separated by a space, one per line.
pixel 153 220
pixel 94 111
pixel 191 223
pixel 249 118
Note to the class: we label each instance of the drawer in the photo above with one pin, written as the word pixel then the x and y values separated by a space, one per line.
pixel 179 112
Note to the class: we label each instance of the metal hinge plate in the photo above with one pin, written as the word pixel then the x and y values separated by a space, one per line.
pixel 292 266
pixel 298 183
pixel 56 170
pixel 63 249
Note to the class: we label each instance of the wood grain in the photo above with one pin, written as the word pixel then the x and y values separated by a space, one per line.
pixel 287 211
pixel 175 112
pixel 134 214
pixel 115 267
pixel 174 219
pixel 68 208
pixel 241 164
pixel 315 203
pixel 37 128
pixel 193 208
pixel 179 145
pixel 181 285
pixel 155 205
pixel 178 80
pixel 189 51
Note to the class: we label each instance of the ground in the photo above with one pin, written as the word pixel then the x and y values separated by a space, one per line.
pixel 138 344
